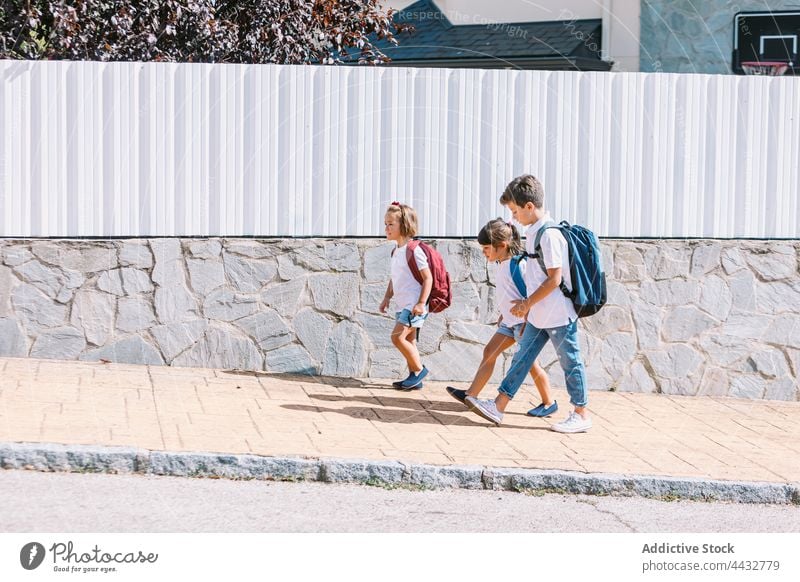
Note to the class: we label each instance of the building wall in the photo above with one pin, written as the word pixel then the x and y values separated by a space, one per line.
pixel 620 19
pixel 685 36
pixel 684 317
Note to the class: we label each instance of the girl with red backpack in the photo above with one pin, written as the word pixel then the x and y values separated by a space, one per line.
pixel 410 294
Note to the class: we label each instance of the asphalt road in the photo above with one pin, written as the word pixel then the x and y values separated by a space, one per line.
pixel 63 502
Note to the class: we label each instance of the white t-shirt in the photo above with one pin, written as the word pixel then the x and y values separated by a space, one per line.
pixel 405 286
pixel 507 292
pixel 555 310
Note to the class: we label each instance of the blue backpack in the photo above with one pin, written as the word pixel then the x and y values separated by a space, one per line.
pixel 516 274
pixel 588 293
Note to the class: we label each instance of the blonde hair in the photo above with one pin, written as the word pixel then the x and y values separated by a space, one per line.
pixel 499 231
pixel 407 217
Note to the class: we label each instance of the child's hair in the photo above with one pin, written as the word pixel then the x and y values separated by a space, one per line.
pixel 407 217
pixel 524 189
pixel 499 231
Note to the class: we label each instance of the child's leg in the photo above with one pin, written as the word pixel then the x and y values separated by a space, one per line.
pixel 496 346
pixel 530 344
pixel 565 341
pixel 404 339
pixel 542 383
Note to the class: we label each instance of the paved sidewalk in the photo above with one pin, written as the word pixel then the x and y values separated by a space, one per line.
pixel 203 410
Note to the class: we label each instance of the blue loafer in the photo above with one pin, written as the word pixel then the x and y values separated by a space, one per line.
pixel 541 411
pixel 414 381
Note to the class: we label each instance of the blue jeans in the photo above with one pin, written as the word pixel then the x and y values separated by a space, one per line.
pixel 565 341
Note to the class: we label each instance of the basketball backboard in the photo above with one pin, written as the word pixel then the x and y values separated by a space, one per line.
pixel 767 36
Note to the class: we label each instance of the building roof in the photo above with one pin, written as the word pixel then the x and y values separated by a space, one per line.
pixel 435 41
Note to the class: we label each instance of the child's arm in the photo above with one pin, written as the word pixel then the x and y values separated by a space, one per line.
pixel 427 285
pixel 386 298
pixel 523 306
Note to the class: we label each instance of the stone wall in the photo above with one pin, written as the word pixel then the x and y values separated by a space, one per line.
pixel 685 36
pixel 684 317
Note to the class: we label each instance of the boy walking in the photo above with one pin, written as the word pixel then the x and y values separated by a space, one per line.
pixel 550 315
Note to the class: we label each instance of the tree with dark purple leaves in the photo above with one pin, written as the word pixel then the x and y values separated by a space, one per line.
pixel 200 31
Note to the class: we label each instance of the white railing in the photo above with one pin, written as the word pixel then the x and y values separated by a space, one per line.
pixel 133 149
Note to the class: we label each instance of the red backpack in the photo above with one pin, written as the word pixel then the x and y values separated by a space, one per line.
pixel 441 296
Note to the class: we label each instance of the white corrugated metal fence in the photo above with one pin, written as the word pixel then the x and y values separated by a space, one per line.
pixel 156 149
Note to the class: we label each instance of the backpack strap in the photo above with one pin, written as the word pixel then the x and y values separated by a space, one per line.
pixel 411 246
pixel 537 254
pixel 516 274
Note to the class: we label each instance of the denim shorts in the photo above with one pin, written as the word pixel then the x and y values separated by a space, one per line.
pixel 514 331
pixel 405 318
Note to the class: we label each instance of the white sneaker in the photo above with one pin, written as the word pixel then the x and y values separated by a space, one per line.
pixel 574 423
pixel 484 408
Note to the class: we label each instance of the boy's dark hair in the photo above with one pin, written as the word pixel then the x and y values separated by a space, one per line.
pixel 524 189
pixel 498 231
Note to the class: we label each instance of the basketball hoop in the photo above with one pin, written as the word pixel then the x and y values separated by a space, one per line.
pixel 764 68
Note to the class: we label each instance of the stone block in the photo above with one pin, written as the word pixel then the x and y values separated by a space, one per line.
pixel 7 282
pixel 639 380
pixel 342 256
pixel 135 254
pixel 249 275
pixel 675 362
pixel 685 323
pixel 131 350
pixel 750 386
pixel 378 263
pixel 267 329
pixel 222 348
pixel 772 262
pixel 716 298
pixel 617 353
pixel 466 303
pixel 205 249
pixel 13 342
pixel 135 281
pixel 292 359
pixel 336 293
pixel 287 270
pixel 61 343
pixel 285 298
pixel 378 328
pixel 205 275
pixel 83 257
pixel 671 292
pixel 667 262
pixel 225 305
pixel 254 249
pixel 387 363
pixel 35 309
pixel 312 330
pixel 345 354
pixel 732 260
pixel 177 337
pixel 111 282
pixel 628 264
pixel 93 312
pixel 472 332
pixel 705 259
pixel 134 314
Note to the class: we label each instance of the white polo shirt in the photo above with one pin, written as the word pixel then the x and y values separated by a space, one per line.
pixel 406 288
pixel 555 310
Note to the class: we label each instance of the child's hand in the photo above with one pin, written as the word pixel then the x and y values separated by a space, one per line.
pixel 384 305
pixel 520 308
pixel 418 309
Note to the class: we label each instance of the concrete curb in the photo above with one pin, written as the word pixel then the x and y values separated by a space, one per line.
pixel 99 459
